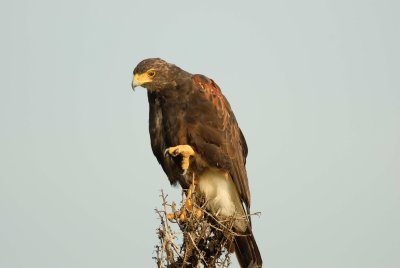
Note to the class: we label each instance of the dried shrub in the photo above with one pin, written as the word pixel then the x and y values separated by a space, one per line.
pixel 195 242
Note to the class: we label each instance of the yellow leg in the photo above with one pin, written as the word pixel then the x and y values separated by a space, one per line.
pixel 187 207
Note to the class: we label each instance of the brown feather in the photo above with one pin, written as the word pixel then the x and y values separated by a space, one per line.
pixel 191 109
pixel 247 252
pixel 232 145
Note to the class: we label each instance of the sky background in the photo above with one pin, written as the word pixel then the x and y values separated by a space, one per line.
pixel 314 85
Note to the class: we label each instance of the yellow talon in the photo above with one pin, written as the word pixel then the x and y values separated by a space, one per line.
pixel 198 213
pixel 186 151
pixel 181 215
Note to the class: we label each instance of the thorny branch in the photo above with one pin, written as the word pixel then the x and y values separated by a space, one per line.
pixel 196 242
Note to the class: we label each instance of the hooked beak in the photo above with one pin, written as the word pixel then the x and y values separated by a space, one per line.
pixel 135 82
pixel 140 80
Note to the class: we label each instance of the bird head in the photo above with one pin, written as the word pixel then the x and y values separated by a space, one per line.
pixel 154 74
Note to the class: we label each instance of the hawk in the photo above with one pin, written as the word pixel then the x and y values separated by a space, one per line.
pixel 194 134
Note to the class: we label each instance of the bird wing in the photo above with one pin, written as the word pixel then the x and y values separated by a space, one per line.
pixel 217 136
pixel 159 138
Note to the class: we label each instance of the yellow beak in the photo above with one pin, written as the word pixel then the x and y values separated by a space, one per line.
pixel 140 79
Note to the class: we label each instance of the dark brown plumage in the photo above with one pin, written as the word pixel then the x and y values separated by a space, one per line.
pixel 188 109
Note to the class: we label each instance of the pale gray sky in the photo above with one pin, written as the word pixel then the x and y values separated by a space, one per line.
pixel 315 88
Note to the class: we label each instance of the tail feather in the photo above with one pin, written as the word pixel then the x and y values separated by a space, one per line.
pixel 247 251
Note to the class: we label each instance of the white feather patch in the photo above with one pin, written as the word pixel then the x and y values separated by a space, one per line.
pixel 221 195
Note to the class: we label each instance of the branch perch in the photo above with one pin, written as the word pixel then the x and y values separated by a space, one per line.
pixel 205 242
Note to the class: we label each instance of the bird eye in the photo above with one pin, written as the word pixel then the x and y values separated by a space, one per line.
pixel 151 73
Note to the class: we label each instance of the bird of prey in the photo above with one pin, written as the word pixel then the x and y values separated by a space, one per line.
pixel 194 134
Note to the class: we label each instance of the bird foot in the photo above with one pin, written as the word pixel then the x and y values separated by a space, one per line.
pixel 184 213
pixel 187 208
pixel 186 151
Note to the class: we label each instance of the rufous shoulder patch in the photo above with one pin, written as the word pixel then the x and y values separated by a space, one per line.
pixel 213 94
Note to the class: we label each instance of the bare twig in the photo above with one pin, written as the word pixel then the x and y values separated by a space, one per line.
pixel 196 242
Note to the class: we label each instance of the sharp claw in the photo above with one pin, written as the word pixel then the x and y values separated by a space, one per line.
pixel 186 152
pixel 166 152
pixel 174 153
